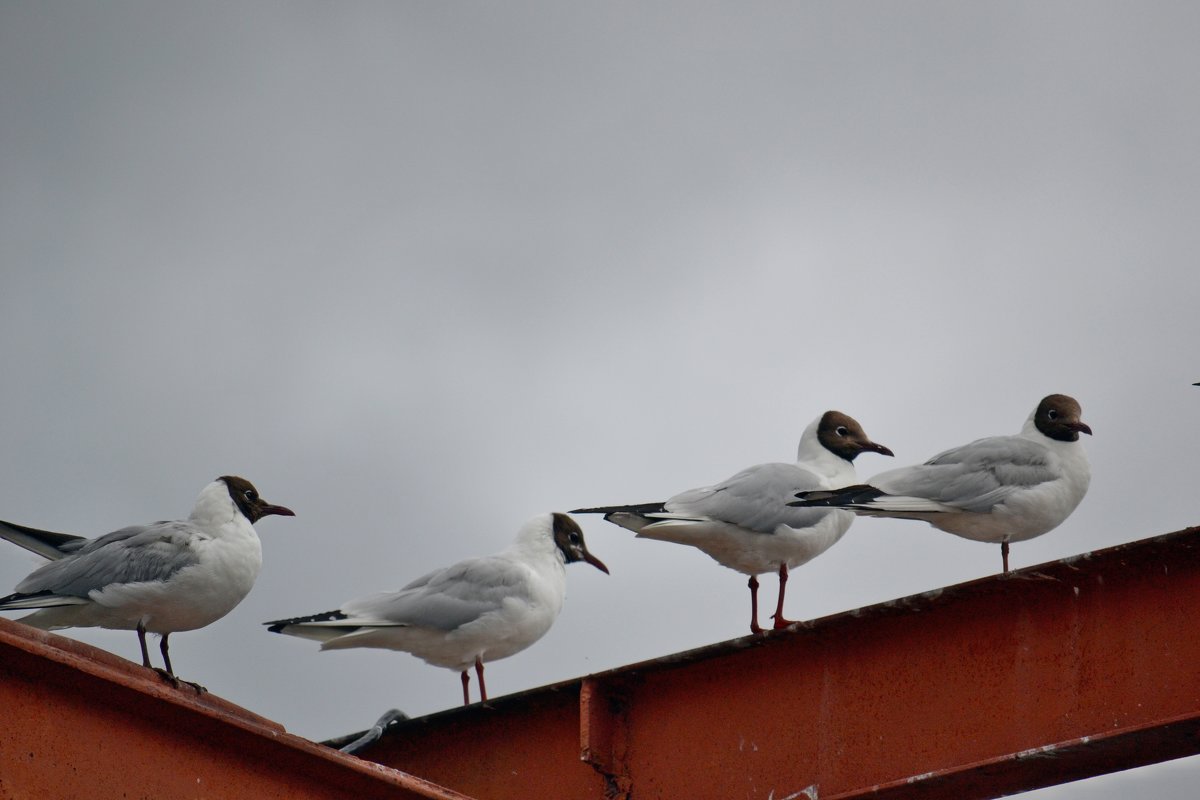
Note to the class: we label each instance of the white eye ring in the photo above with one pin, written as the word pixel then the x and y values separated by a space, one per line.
pixel 841 430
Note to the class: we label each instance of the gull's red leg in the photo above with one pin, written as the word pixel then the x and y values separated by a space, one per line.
pixel 482 686
pixel 780 622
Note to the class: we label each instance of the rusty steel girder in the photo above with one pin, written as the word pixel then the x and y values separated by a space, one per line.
pixel 78 722
pixel 1061 671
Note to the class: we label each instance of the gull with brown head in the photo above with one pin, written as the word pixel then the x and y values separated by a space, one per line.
pixel 478 610
pixel 158 578
pixel 1001 489
pixel 744 523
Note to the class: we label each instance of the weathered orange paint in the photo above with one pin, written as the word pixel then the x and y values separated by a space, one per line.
pixel 77 722
pixel 1061 671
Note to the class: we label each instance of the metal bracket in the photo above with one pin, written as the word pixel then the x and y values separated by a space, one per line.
pixel 604 734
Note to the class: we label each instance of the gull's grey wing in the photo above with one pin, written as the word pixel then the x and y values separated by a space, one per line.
pixel 974 477
pixel 756 499
pixel 417 583
pixel 131 555
pixel 445 599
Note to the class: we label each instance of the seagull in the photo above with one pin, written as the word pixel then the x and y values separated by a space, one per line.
pixel 478 610
pixel 159 578
pixel 744 523
pixel 1000 489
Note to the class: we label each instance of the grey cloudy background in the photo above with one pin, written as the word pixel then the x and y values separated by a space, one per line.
pixel 421 271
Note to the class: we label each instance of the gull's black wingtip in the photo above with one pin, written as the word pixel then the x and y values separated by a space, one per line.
pixel 637 508
pixel 18 601
pixel 836 498
pixel 277 626
pixel 814 498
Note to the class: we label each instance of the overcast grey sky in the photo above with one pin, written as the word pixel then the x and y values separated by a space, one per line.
pixel 423 270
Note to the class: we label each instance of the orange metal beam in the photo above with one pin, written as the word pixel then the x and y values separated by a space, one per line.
pixel 1066 670
pixel 76 721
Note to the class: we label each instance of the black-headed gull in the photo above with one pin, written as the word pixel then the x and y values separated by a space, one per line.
pixel 159 578
pixel 478 610
pixel 744 523
pixel 1000 489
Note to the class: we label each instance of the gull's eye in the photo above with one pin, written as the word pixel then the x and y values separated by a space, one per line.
pixel 250 495
pixel 1052 414
pixel 841 431
pixel 574 538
